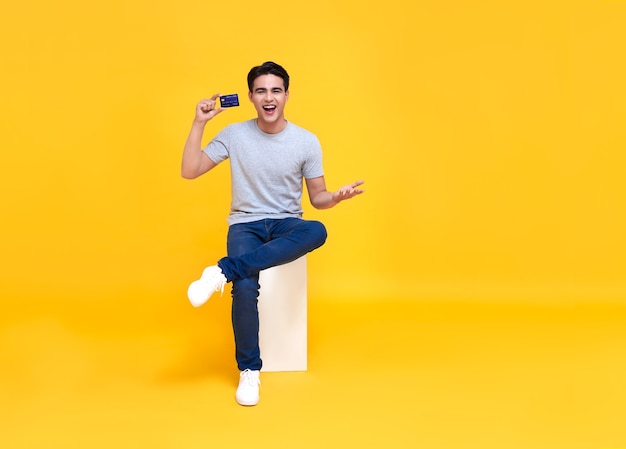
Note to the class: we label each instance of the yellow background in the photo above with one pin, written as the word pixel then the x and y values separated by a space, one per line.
pixel 472 297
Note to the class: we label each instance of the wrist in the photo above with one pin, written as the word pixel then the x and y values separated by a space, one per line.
pixel 199 122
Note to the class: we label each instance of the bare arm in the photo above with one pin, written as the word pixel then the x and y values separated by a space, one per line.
pixel 195 161
pixel 323 199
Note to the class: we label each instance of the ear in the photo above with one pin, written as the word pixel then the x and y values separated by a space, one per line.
pixel 286 95
pixel 249 95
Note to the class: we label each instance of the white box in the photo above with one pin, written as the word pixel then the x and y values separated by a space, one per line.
pixel 283 317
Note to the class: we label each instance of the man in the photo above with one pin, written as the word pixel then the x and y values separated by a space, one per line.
pixel 269 158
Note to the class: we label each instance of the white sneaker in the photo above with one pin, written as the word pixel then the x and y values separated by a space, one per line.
pixel 212 280
pixel 248 390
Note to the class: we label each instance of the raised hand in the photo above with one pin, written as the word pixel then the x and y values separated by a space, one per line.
pixel 206 109
pixel 348 191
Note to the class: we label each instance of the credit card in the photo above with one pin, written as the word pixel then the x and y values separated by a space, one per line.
pixel 228 101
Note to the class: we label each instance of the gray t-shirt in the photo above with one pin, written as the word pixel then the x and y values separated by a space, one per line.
pixel 266 169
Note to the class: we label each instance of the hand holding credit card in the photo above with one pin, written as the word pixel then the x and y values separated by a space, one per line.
pixel 228 101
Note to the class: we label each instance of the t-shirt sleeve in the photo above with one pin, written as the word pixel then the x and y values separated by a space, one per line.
pixel 217 148
pixel 312 167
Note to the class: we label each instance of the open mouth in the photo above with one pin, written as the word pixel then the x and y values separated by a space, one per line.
pixel 270 108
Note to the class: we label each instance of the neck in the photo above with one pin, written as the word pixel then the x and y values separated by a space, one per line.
pixel 273 127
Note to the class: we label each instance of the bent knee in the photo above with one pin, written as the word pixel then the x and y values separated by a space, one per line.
pixel 319 231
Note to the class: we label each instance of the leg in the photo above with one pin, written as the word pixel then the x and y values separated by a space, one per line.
pixel 285 240
pixel 245 291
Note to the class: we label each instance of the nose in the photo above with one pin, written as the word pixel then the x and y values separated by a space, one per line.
pixel 268 95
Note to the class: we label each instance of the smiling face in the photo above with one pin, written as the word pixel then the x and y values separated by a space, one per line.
pixel 268 96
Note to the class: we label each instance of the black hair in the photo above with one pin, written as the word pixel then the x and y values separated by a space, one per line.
pixel 268 68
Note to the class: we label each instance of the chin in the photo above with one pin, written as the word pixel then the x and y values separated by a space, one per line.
pixel 269 119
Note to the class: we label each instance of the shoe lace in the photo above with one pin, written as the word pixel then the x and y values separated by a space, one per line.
pixel 220 286
pixel 250 377
pixel 219 282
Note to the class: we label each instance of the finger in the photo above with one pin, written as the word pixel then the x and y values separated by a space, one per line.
pixel 215 97
pixel 357 183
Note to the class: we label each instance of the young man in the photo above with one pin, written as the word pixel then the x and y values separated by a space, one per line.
pixel 269 158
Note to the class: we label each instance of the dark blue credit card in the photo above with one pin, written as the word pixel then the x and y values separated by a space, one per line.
pixel 228 101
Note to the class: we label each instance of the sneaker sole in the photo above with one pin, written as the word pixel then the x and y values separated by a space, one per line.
pixel 247 403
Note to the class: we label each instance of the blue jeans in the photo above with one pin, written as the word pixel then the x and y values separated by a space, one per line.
pixel 253 247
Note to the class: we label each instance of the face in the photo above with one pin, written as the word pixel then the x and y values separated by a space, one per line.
pixel 269 97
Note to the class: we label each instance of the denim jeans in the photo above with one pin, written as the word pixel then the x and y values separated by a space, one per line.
pixel 253 247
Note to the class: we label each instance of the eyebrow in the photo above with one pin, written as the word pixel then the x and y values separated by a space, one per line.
pixel 261 89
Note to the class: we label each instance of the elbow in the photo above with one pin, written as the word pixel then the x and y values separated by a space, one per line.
pixel 193 170
pixel 187 174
